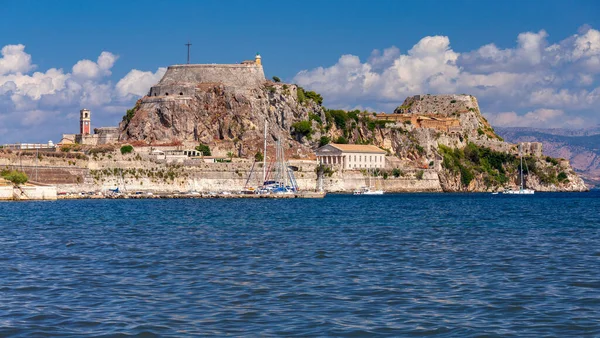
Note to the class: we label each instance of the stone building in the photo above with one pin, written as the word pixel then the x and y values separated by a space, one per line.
pixel 102 135
pixel 441 123
pixel 351 156
pixel 182 80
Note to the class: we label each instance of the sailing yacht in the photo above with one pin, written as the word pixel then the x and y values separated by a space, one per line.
pixel 367 190
pixel 522 190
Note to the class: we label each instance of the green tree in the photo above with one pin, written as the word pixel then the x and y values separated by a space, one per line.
pixel 276 79
pixel 324 140
pixel 341 140
pixel 317 98
pixel 230 155
pixel 16 177
pixel 258 157
pixel 303 128
pixel 126 149
pixel 204 149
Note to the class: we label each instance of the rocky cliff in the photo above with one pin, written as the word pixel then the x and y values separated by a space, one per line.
pixel 227 118
pixel 448 133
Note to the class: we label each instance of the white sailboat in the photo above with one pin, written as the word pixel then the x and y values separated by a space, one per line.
pixel 522 190
pixel 367 190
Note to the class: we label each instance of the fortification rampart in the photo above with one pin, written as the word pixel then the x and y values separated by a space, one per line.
pixel 182 79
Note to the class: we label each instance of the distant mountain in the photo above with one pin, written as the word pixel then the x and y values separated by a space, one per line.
pixel 580 146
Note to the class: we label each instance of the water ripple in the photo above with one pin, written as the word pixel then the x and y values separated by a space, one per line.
pixel 455 265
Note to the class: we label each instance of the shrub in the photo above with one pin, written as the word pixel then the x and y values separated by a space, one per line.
pixel 126 149
pixel 300 94
pixel 317 98
pixel 129 115
pixel 315 117
pixel 258 157
pixel 480 132
pixel 420 149
pixel 303 128
pixel 397 172
pixel 276 79
pixel 324 140
pixel 419 174
pixel 562 176
pixel 16 177
pixel 339 117
pixel 204 149
pixel 341 140
pixel 271 89
pixel 453 101
pixel 551 160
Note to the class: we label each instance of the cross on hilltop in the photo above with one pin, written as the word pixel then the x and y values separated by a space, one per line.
pixel 188 47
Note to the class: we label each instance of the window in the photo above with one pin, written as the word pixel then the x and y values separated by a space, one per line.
pixel 359 158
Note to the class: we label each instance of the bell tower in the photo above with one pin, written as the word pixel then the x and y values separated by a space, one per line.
pixel 84 122
pixel 257 60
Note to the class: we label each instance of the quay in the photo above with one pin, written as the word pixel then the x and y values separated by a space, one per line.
pixel 307 194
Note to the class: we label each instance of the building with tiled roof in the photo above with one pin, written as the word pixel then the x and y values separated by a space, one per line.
pixel 351 156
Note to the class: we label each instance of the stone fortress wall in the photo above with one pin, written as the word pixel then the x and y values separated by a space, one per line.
pixel 181 80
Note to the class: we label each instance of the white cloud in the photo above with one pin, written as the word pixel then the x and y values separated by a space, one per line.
pixel 15 60
pixel 138 83
pixel 38 106
pixel 87 69
pixel 533 75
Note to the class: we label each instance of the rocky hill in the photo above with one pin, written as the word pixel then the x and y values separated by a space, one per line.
pixel 580 146
pixel 446 134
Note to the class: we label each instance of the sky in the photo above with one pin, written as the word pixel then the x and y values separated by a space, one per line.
pixel 529 63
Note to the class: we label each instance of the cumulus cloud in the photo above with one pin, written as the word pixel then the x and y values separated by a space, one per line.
pixel 137 82
pixel 37 106
pixel 15 60
pixel 89 69
pixel 534 74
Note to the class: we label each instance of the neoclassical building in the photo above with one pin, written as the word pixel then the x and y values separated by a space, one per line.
pixel 351 156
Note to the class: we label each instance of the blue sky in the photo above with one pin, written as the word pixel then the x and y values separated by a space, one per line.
pixel 537 65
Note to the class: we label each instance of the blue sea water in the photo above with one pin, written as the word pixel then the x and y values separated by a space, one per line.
pixel 451 265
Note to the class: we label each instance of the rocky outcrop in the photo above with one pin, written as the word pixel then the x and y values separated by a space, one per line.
pixel 229 119
pixel 230 116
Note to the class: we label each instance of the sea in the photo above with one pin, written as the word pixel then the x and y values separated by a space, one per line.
pixel 397 265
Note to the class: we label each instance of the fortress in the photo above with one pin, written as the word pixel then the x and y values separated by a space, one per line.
pixel 182 80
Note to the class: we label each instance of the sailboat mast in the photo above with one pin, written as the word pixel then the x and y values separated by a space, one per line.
pixel 265 155
pixel 521 156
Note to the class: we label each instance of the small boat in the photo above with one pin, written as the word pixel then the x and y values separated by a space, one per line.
pixel 495 193
pixel 367 191
pixel 522 190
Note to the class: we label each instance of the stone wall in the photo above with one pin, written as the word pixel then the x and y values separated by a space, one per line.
pixel 181 80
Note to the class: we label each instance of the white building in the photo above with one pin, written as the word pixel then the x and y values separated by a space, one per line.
pixel 351 156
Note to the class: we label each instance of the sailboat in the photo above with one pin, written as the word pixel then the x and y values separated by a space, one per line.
pixel 522 190
pixel 367 190
pixel 283 181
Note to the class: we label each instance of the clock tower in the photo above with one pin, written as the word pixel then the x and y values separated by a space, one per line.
pixel 84 122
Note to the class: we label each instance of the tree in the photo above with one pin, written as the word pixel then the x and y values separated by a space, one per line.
pixel 16 177
pixel 341 140
pixel 276 79
pixel 230 155
pixel 324 140
pixel 204 149
pixel 126 149
pixel 303 128
pixel 258 157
